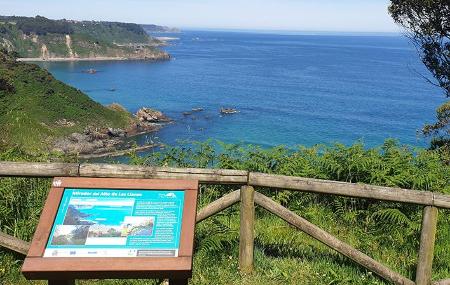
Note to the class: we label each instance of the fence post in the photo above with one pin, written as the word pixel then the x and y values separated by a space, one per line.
pixel 246 237
pixel 426 251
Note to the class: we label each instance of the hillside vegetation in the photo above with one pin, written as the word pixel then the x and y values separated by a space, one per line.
pixel 35 108
pixel 389 232
pixel 40 37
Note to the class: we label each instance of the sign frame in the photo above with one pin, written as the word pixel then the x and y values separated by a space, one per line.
pixel 37 267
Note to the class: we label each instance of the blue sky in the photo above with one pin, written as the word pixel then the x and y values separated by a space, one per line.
pixel 293 15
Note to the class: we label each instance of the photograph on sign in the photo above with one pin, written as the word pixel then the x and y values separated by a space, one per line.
pixel 117 223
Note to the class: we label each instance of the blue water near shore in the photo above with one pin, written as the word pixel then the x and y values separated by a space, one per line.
pixel 290 89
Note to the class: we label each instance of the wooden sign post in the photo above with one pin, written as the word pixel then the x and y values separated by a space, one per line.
pixel 99 228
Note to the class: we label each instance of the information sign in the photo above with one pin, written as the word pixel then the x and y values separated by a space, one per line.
pixel 102 228
pixel 117 223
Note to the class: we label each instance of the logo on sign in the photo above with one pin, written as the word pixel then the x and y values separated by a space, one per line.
pixel 57 183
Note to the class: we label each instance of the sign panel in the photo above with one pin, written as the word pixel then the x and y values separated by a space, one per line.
pixel 106 228
pixel 117 223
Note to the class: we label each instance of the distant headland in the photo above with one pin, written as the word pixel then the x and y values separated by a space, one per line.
pixel 160 29
pixel 42 39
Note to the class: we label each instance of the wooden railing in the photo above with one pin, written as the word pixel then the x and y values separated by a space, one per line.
pixel 248 198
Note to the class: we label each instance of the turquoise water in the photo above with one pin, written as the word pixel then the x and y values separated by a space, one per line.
pixel 289 89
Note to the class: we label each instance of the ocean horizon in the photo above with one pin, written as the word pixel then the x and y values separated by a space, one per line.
pixel 292 32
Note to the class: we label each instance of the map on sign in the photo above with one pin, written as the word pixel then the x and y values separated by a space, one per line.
pixel 117 223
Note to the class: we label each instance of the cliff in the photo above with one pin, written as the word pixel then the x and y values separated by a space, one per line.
pixel 45 39
pixel 40 113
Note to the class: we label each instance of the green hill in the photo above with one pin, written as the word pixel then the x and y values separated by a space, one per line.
pixel 40 37
pixel 35 108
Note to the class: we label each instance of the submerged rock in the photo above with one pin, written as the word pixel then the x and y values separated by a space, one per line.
pixel 228 111
pixel 90 71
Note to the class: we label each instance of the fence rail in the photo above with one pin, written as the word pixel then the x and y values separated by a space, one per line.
pixel 248 198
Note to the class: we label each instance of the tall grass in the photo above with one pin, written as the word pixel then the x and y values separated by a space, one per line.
pixel 389 232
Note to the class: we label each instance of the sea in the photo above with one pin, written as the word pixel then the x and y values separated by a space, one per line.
pixel 290 89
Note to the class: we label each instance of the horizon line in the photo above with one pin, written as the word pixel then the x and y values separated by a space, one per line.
pixel 291 31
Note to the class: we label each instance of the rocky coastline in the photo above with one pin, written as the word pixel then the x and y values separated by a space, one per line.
pixel 102 142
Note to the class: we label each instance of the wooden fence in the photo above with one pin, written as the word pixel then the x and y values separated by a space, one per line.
pixel 248 198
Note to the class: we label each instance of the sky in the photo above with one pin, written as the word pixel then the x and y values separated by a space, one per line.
pixel 289 15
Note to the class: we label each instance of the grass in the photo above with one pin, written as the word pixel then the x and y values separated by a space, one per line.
pixel 301 260
pixel 388 232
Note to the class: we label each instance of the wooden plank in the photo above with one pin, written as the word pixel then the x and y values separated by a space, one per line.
pixel 60 268
pixel 218 205
pixel 345 189
pixel 426 251
pixel 188 223
pixel 329 240
pixel 225 176
pixel 246 235
pixel 125 183
pixel 27 169
pixel 441 201
pixel 14 243
pixel 45 224
pixel 222 176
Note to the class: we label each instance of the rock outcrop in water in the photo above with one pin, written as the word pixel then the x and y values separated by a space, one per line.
pixel 147 115
pixel 94 141
pixel 149 120
pixel 228 111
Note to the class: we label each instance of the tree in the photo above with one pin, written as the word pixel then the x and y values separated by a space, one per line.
pixel 441 129
pixel 427 23
pixel 42 26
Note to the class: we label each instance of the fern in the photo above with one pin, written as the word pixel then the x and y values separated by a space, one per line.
pixel 217 237
pixel 393 218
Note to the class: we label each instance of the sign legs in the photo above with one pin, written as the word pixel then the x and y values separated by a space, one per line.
pixel 61 282
pixel 178 282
